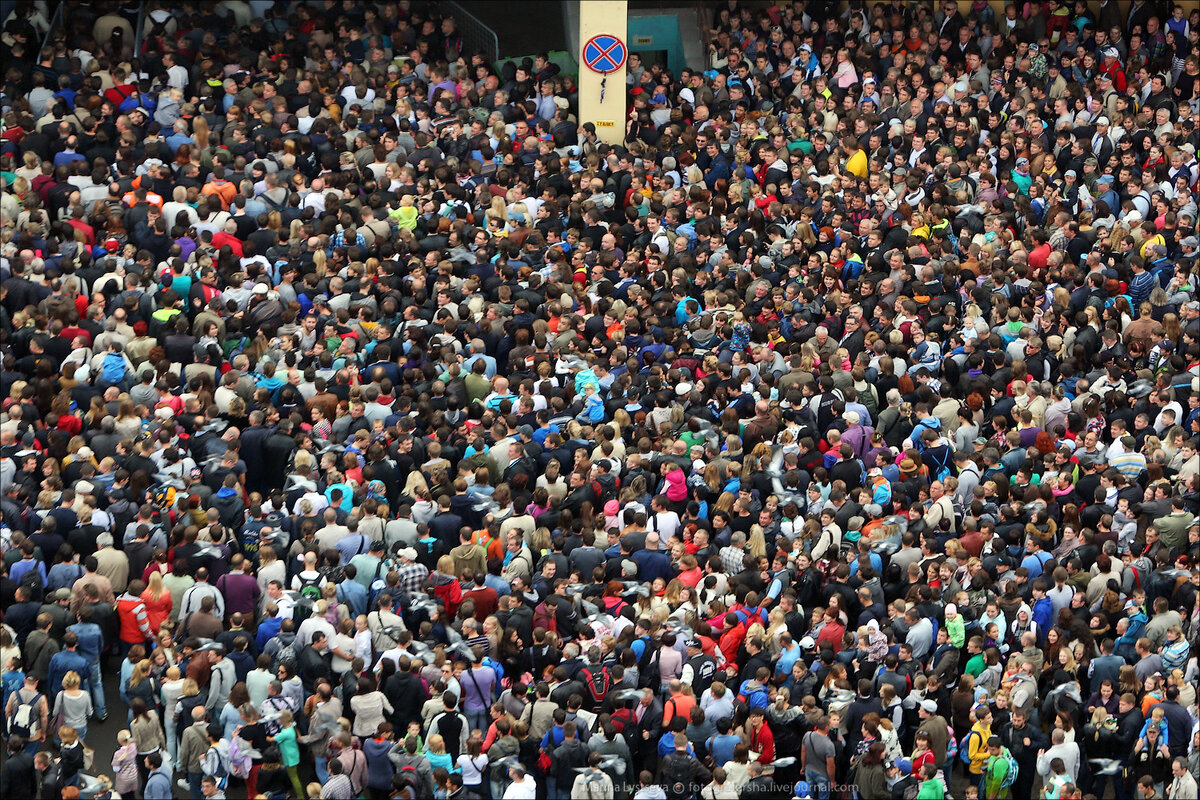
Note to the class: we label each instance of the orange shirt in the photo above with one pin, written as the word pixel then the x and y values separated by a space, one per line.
pixel 222 189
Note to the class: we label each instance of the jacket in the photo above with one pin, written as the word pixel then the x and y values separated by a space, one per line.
pixel 135 626
pixel 158 784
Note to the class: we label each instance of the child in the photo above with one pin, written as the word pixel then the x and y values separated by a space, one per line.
pixel 955 627
pixel 1156 716
pixel 435 751
pixel 1125 524
pixel 741 332
pixel 414 731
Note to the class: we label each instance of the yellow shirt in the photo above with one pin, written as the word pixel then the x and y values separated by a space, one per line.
pixel 856 165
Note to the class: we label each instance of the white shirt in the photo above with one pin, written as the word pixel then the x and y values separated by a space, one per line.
pixel 525 789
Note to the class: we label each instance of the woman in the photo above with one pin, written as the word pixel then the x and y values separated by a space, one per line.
pixel 273 779
pixel 147 733
pixel 141 685
pixel 473 765
pixel 870 775
pixel 170 691
pixel 369 706
pixel 254 733
pixel 73 705
pixel 158 602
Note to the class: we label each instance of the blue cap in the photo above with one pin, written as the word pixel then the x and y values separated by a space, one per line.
pixel 658 99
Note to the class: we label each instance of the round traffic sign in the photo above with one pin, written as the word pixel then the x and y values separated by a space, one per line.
pixel 604 53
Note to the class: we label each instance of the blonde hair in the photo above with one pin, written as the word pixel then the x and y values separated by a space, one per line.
pixel 71 680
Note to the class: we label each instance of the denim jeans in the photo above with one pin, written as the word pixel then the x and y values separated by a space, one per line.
pixel 478 719
pixel 322 767
pixel 96 683
pixel 194 783
pixel 818 786
pixel 172 741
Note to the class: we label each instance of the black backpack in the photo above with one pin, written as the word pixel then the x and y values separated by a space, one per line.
pixel 677 776
pixel 32 580
pixel 598 682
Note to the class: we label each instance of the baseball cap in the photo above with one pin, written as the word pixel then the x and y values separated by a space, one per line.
pixel 930 706
pixel 1071 174
pixel 525 430
pixel 1190 241
pixel 410 553
pixel 693 642
pixel 1102 120
pixel 658 99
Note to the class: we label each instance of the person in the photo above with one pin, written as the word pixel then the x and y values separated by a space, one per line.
pixel 592 783
pixel 375 365
pixel 17 776
pixel 521 785
pixel 999 770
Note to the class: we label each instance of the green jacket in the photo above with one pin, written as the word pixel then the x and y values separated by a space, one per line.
pixel 931 790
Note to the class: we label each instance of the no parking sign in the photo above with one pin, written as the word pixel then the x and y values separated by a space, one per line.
pixel 604 53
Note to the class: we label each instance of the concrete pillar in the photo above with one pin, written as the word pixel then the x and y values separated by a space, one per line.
pixel 608 115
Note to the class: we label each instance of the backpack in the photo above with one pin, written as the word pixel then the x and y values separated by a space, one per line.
pixel 26 722
pixel 407 781
pixel 310 588
pixel 951 747
pixel 677 776
pixel 286 656
pixel 598 682
pixel 1011 777
pixel 32 580
pixel 964 747
pixel 216 763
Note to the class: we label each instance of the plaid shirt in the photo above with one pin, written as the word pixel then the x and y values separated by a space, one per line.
pixel 731 559
pixel 412 576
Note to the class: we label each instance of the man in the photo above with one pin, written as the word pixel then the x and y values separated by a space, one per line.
pixel 222 675
pixel 158 783
pixel 1182 785
pixel 18 778
pixel 68 660
pixel 1059 748
pixel 193 745
pixel 679 769
pixel 28 714
pixel 522 786
pixel 1023 741
pixel 593 783
pixel 818 758
pixel 934 726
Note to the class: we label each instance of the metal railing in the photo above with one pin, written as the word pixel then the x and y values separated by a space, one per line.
pixel 55 21
pixel 139 30
pixel 476 35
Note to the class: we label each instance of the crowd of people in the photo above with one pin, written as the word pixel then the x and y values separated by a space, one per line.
pixel 371 427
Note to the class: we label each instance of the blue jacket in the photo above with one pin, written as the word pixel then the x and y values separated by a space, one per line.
pixel 66 661
pixel 158 785
pixel 91 640
pixel 1043 615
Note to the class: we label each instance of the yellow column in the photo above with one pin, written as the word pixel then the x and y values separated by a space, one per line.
pixel 598 17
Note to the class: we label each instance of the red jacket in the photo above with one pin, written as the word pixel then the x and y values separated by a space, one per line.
pixel 135 624
pixel 832 634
